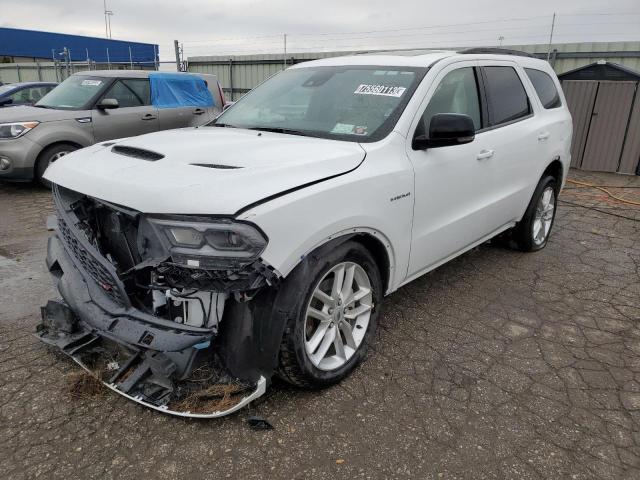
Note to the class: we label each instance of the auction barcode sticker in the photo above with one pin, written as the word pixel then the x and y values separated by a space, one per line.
pixel 383 90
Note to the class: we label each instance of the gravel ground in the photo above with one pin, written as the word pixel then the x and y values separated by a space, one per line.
pixel 497 365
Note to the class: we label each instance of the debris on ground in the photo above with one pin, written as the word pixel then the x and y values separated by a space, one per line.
pixel 214 398
pixel 259 423
pixel 81 384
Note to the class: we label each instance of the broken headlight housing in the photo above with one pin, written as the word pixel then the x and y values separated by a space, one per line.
pixel 209 244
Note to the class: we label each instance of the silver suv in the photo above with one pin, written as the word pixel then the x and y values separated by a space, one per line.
pixel 95 106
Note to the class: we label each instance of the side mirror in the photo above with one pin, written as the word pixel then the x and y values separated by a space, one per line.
pixel 227 105
pixel 446 129
pixel 107 104
pixel 5 101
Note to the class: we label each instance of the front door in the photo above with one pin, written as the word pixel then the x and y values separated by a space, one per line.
pixel 134 116
pixel 452 184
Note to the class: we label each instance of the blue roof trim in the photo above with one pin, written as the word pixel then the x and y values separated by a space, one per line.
pixel 171 90
pixel 32 43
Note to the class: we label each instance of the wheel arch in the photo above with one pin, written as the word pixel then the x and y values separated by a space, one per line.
pixel 49 145
pixel 555 169
pixel 373 240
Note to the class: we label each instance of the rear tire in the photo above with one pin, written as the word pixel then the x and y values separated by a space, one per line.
pixel 47 157
pixel 336 312
pixel 532 232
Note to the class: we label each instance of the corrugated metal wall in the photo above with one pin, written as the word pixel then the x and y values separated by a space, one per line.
pixel 581 97
pixel 608 126
pixel 16 42
pixel 629 162
pixel 50 72
pixel 244 72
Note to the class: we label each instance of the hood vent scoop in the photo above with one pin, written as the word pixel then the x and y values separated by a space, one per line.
pixel 140 153
pixel 215 165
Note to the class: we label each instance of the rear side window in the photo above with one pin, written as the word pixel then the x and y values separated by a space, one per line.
pixel 506 96
pixel 545 88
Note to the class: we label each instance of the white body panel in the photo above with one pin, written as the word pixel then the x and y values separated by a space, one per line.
pixel 425 206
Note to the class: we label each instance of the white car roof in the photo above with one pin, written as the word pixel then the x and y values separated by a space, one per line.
pixel 423 58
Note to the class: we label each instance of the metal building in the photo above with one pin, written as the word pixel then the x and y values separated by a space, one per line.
pixel 605 106
pixel 17 46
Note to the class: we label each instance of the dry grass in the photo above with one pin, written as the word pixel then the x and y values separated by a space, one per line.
pixel 81 385
pixel 216 398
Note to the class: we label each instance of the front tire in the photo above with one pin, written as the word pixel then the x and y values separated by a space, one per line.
pixel 532 232
pixel 47 157
pixel 336 316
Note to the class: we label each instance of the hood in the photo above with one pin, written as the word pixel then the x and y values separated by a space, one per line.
pixel 241 167
pixel 23 113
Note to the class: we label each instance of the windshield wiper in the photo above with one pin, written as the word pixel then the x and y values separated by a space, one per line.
pixel 223 125
pixel 288 131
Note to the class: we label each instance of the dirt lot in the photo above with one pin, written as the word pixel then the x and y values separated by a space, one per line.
pixel 497 365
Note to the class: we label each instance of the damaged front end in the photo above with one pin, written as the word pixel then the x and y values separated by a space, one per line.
pixel 173 312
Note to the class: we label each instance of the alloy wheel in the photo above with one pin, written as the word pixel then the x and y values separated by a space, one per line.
pixel 543 217
pixel 337 316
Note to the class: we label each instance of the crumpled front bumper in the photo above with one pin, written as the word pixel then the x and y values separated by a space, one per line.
pixel 144 358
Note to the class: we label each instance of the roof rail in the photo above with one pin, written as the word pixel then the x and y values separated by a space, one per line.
pixel 495 51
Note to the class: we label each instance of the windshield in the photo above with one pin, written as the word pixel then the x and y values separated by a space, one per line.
pixel 74 93
pixel 355 103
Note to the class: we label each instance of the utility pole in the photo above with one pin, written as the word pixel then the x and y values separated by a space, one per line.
pixel 130 59
pixel 66 54
pixel 285 52
pixel 176 46
pixel 107 20
pixel 553 24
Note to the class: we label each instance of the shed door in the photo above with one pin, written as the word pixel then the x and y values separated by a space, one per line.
pixel 581 95
pixel 608 126
pixel 629 162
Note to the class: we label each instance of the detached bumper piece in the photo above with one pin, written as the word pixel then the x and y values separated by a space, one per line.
pixel 151 378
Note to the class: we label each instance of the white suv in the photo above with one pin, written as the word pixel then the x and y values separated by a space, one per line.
pixel 264 242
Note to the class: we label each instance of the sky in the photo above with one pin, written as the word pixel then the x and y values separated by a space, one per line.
pixel 224 27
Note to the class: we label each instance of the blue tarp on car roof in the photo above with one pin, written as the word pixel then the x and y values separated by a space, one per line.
pixel 171 90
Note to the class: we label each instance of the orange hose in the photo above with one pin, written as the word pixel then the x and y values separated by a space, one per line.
pixel 602 189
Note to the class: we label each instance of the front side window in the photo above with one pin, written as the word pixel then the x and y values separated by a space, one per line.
pixel 506 96
pixel 456 93
pixel 544 87
pixel 75 93
pixel 21 96
pixel 130 93
pixel 353 103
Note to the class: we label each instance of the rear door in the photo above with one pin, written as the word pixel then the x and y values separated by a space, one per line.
pixel 134 116
pixel 180 117
pixel 518 140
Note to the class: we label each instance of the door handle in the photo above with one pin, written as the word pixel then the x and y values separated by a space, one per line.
pixel 198 111
pixel 149 116
pixel 485 154
pixel 543 136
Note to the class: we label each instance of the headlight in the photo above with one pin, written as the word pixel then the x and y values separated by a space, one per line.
pixel 15 130
pixel 195 243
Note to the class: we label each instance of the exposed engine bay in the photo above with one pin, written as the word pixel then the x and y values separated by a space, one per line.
pixel 162 309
